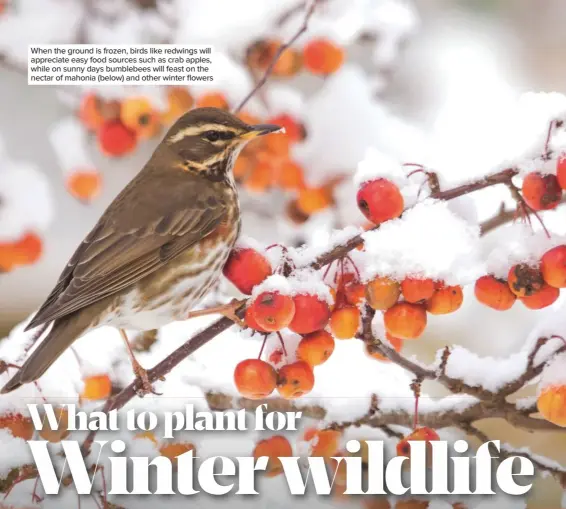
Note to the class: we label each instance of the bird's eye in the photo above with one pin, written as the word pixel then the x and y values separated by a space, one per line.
pixel 212 135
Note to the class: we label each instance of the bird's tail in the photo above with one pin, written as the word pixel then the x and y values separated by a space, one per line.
pixel 63 333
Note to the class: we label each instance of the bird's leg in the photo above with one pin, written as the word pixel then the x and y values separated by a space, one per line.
pixel 227 310
pixel 141 373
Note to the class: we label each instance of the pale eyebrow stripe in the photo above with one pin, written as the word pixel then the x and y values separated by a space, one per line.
pixel 198 129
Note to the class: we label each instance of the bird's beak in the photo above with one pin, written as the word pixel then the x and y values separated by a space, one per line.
pixel 260 130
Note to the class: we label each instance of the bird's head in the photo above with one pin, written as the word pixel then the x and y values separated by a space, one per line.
pixel 208 140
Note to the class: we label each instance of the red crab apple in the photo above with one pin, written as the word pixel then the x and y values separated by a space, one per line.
pixel 494 293
pixel 246 268
pixel 115 139
pixel 553 266
pixel 380 200
pixel 311 314
pixel 273 311
pixel 295 380
pixel 541 192
pixel 255 379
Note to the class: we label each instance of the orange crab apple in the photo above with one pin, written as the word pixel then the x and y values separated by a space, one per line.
pixel 380 200
pixel 179 101
pixel 212 100
pixel 424 434
pixel 396 343
pixel 290 176
pixel 294 130
pixel 546 296
pixel 524 280
pixel 553 267
pixel 324 442
pixel 137 114
pixel 355 293
pixel 541 192
pixel 255 379
pixel 551 403
pixel 172 450
pixel 60 432
pixel 274 447
pixel 295 380
pixel 273 311
pixel 96 387
pixel 115 139
pixel 246 268
pixel 314 199
pixel 262 53
pixel 146 435
pixel 382 293
pixel 405 320
pixel 415 289
pixel 494 293
pixel 315 348
pixel 446 300
pixel 260 177
pixel 251 322
pixel 311 314
pixel 18 425
pixel 345 322
pixel 90 111
pixel 25 251
pixel 84 184
pixel 322 56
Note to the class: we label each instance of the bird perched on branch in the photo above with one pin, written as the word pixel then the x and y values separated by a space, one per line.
pixel 158 248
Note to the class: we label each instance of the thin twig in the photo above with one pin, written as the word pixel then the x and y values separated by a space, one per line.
pixel 263 80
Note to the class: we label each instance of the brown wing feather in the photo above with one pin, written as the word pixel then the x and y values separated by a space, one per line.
pixel 136 236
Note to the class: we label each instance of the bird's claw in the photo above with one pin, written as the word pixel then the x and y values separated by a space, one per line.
pixel 145 386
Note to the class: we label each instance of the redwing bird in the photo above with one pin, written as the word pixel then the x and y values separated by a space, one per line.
pixel 158 248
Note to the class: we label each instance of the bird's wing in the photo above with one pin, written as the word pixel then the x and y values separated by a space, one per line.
pixel 136 236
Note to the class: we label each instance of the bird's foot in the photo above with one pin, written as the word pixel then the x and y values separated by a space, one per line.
pixel 227 310
pixel 142 377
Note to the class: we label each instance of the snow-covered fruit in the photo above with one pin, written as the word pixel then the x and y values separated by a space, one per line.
pixel 246 268
pixel 382 293
pixel 311 313
pixel 553 266
pixel 273 311
pixel 295 380
pixel 405 320
pixel 274 447
pixel 255 379
pixel 494 293
pixel 541 192
pixel 315 348
pixel 551 403
pixel 417 289
pixel 380 200
pixel 445 300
